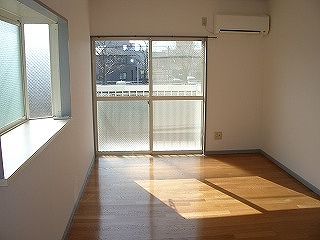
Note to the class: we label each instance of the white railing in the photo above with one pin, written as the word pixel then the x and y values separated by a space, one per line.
pixel 143 90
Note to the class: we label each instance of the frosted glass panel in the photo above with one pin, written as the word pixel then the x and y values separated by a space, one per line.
pixel 123 126
pixel 177 68
pixel 11 87
pixel 177 125
pixel 38 69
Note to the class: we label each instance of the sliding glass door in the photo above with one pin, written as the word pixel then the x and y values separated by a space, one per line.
pixel 149 94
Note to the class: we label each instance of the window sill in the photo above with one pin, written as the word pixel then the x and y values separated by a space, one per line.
pixel 21 144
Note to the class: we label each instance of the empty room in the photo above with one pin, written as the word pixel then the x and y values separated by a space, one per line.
pixel 159 119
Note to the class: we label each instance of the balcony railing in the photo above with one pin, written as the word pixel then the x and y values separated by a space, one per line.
pixel 143 90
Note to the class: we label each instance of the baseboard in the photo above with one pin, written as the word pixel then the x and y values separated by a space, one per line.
pixel 233 152
pixel 78 199
pixel 292 173
pixel 270 158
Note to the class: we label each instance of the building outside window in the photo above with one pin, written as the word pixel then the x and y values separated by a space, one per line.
pixel 123 76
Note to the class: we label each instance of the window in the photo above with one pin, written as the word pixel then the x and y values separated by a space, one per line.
pixel 34 69
pixel 38 70
pixel 11 85
pixel 30 74
pixel 159 108
pixel 123 76
pixel 38 74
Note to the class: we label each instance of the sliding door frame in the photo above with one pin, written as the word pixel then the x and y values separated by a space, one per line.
pixel 150 98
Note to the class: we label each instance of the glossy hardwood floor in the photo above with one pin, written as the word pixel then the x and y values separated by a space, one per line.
pixel 194 197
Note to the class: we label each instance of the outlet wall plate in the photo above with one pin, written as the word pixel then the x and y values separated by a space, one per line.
pixel 217 135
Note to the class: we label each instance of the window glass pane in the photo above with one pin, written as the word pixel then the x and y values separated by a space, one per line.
pixel 177 125
pixel 123 125
pixel 37 48
pixel 122 68
pixel 11 86
pixel 177 68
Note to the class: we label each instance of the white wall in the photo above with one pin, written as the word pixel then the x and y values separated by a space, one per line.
pixel 234 92
pixel 234 61
pixel 291 96
pixel 38 202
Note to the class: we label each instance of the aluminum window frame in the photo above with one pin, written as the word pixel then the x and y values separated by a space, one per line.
pixel 59 59
pixel 150 98
pixel 35 12
pixel 11 19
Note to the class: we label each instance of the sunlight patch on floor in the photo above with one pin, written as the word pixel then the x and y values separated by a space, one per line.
pixel 194 199
pixel 264 193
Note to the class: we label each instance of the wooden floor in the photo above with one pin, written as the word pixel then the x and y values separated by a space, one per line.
pixel 194 197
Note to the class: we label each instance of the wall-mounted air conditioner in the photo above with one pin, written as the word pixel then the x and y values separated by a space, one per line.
pixel 241 24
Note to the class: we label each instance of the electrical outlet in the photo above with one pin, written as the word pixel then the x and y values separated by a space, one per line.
pixel 217 135
pixel 204 21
